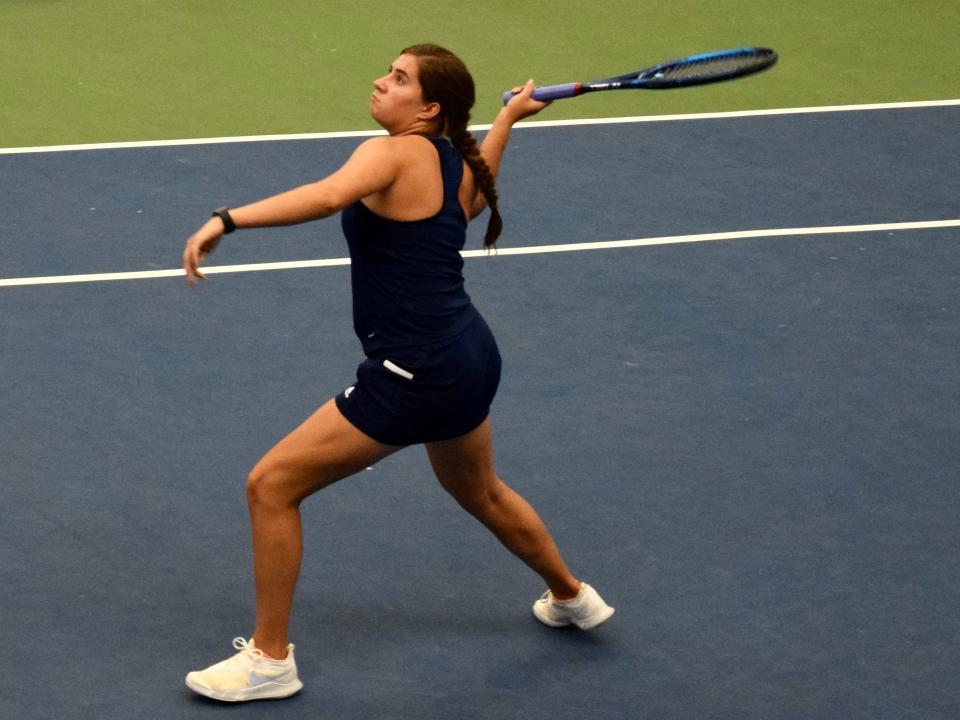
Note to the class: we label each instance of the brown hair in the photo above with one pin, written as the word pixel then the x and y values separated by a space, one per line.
pixel 445 80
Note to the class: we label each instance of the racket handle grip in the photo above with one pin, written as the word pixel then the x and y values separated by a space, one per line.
pixel 549 92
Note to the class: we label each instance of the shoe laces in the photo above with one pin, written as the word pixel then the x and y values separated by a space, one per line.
pixel 247 650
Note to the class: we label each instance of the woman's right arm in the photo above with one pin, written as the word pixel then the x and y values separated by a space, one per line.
pixel 494 143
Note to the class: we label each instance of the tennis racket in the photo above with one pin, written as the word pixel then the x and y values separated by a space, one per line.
pixel 694 70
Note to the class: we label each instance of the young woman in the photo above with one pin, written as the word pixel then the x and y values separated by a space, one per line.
pixel 432 365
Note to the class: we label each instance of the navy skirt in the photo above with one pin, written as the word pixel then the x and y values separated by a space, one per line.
pixel 428 393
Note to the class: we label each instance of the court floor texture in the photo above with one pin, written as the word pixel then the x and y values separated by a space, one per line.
pixel 746 442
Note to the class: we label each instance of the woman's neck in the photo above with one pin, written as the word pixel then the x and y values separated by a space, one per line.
pixel 417 127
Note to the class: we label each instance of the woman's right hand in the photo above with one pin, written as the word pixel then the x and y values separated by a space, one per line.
pixel 522 105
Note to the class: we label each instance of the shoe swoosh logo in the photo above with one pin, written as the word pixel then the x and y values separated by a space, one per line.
pixel 258 679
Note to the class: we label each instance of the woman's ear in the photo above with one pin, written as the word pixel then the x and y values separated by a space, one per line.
pixel 429 112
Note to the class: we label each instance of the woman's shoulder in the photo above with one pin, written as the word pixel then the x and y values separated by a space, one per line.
pixel 413 153
pixel 393 151
pixel 398 144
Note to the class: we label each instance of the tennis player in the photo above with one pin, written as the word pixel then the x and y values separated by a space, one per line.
pixel 432 365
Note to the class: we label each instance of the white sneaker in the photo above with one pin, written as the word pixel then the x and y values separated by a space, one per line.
pixel 248 675
pixel 586 610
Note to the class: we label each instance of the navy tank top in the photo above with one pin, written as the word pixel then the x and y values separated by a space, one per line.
pixel 407 276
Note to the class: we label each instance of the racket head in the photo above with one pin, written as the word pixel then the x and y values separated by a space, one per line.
pixel 697 69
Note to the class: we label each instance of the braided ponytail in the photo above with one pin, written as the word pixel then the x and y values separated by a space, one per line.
pixel 466 145
pixel 445 79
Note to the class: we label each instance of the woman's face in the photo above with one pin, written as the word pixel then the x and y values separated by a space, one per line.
pixel 397 97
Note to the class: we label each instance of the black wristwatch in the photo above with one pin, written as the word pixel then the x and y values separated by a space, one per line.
pixel 224 214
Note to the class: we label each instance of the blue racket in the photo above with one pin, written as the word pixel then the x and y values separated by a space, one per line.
pixel 694 70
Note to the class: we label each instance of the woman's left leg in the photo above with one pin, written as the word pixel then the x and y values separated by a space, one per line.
pixel 324 449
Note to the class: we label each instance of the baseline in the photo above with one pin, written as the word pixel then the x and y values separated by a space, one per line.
pixel 916 104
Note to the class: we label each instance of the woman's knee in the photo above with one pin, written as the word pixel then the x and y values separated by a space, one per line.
pixel 482 500
pixel 268 486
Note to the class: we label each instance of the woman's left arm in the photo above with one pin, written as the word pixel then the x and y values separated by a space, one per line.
pixel 373 167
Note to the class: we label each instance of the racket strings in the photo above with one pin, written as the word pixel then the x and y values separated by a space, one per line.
pixel 712 67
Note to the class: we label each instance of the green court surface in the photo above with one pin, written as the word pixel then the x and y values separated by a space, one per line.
pixel 125 70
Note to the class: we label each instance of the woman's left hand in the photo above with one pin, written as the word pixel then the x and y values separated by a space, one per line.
pixel 199 246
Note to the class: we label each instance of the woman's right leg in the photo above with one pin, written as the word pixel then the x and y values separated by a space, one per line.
pixel 464 467
pixel 324 449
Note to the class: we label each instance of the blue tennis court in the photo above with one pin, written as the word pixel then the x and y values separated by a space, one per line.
pixel 747 444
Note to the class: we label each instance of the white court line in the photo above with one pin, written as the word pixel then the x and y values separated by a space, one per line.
pixel 530 250
pixel 530 124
